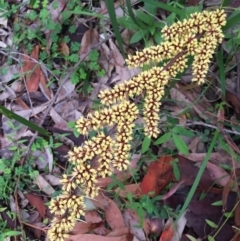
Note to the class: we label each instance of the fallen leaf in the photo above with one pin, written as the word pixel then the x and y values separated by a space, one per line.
pixel 31 70
pixel 112 213
pixel 134 189
pixel 43 86
pixel 94 217
pixel 133 223
pixel 83 227
pixel 159 175
pixel 218 174
pixel 168 231
pixel 44 185
pixel 91 237
pixel 37 202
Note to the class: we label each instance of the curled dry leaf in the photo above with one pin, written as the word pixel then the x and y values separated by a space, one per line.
pixel 37 202
pixel 159 175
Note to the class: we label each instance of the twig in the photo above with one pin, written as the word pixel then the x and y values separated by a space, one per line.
pixel 192 123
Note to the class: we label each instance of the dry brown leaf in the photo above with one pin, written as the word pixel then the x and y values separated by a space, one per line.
pixel 226 189
pixel 43 86
pixel 218 174
pixel 132 220
pixel 113 214
pixel 83 227
pixel 119 232
pixel 44 185
pixel 93 237
pixel 64 49
pixel 94 217
pixel 37 202
pixel 31 70
pixel 159 175
pixel 134 189
pixel 90 38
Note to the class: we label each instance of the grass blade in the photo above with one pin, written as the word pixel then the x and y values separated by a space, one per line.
pixel 132 16
pixel 199 175
pixel 113 19
pixel 12 115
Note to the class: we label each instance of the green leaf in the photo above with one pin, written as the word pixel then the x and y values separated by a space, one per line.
pixel 211 224
pixel 12 115
pixel 12 233
pixel 182 131
pixel 180 144
pixel 128 23
pixel 163 138
pixel 191 238
pixel 176 171
pixel 137 37
pixel 145 144
pixel 144 17
pixel 165 6
pixel 232 20
pixel 217 203
pixel 210 238
pixel 158 37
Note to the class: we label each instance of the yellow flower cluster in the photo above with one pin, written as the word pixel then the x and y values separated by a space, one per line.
pixel 198 37
pixel 111 153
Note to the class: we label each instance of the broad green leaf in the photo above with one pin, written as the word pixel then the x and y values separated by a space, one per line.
pixel 211 224
pixel 226 3
pixel 137 37
pixel 145 144
pixel 144 17
pixel 165 7
pixel 163 138
pixel 182 131
pixel 128 23
pixel 158 37
pixel 180 144
pixel 232 20
pixel 12 115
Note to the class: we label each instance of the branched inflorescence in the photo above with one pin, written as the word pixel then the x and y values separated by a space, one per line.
pixel 197 36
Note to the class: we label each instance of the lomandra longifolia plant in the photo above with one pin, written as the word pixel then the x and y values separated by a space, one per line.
pixel 197 36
